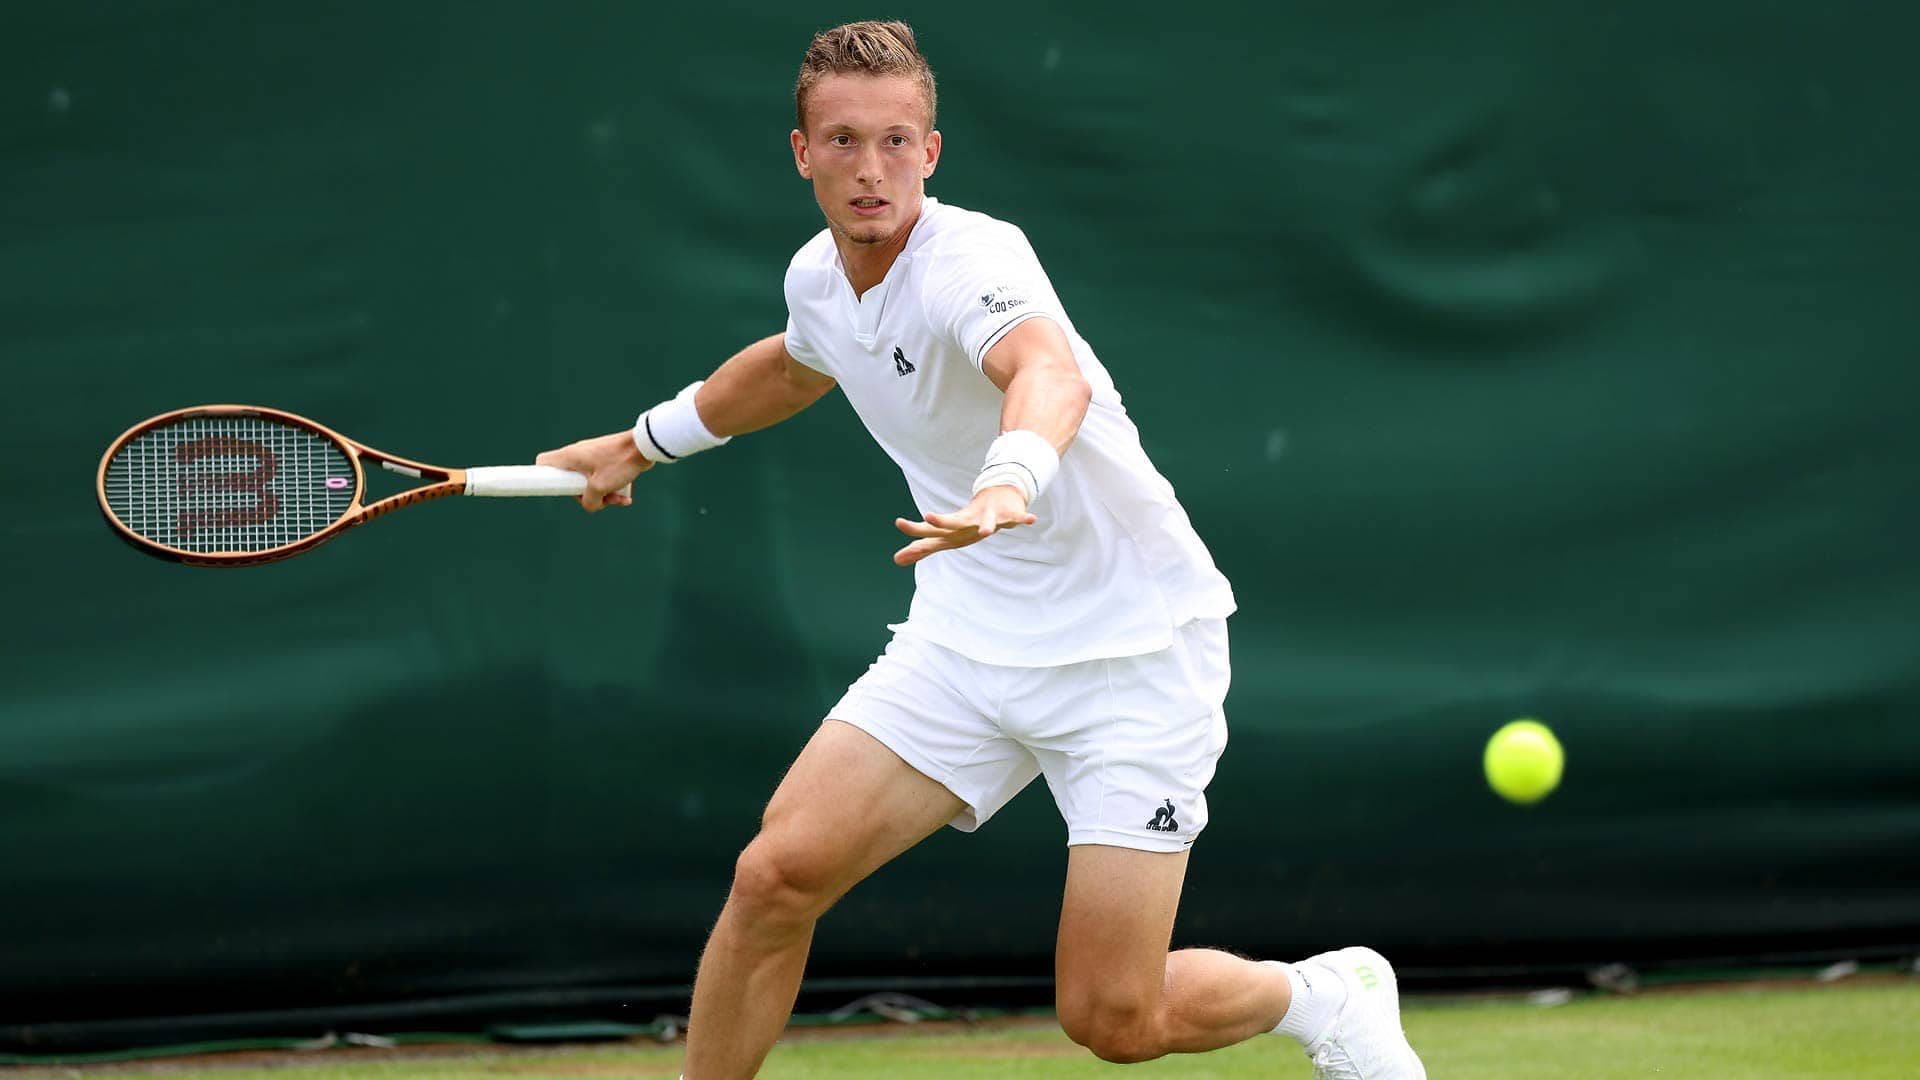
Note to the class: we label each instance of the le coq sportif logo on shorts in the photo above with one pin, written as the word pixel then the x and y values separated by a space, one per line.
pixel 1163 820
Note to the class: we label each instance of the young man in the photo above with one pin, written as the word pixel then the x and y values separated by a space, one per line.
pixel 1066 619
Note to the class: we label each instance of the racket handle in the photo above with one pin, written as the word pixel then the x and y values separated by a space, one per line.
pixel 518 480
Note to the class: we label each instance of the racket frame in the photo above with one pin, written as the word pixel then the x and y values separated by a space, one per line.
pixel 440 483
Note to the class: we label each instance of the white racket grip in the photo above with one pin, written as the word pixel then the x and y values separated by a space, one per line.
pixel 513 481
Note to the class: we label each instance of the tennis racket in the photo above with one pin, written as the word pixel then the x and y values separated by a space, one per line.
pixel 240 485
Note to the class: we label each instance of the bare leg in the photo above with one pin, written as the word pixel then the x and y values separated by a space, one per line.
pixel 846 807
pixel 1120 993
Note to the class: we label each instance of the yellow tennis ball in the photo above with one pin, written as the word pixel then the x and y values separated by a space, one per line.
pixel 1523 761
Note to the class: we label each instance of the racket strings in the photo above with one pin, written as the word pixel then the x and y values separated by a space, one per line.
pixel 213 485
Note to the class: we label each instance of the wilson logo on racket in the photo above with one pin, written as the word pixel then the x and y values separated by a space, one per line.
pixel 266 503
pixel 239 485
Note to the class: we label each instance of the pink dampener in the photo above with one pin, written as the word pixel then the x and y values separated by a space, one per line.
pixel 336 483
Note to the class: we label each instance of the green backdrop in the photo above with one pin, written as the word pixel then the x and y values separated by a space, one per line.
pixel 1514 359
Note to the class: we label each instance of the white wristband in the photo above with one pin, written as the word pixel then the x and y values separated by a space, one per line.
pixel 673 430
pixel 1020 459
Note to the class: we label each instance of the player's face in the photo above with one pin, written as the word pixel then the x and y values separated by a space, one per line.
pixel 868 152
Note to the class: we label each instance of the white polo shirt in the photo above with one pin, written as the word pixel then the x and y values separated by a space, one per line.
pixel 1113 565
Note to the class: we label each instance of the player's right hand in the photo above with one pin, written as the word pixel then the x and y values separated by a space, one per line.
pixel 610 463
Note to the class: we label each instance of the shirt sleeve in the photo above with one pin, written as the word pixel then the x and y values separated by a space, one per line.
pixel 796 342
pixel 975 296
pixel 798 348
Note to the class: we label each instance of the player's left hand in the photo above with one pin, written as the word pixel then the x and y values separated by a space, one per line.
pixel 995 508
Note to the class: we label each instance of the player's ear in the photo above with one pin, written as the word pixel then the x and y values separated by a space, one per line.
pixel 933 155
pixel 799 140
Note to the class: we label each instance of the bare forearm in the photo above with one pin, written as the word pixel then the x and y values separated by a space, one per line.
pixel 758 387
pixel 1046 394
pixel 1043 398
pixel 1049 400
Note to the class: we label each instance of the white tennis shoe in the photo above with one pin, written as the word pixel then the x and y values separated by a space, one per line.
pixel 1364 1042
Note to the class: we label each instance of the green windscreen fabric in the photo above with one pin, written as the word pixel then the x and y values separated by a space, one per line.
pixel 1549 360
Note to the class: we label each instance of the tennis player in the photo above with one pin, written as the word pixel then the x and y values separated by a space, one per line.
pixel 1066 622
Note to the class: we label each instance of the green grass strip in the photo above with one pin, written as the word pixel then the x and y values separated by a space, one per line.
pixel 1860 1031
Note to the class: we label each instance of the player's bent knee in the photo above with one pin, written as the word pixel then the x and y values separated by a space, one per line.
pixel 1119 1035
pixel 779 882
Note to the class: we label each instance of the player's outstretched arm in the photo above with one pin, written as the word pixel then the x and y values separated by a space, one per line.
pixel 1046 400
pixel 1046 394
pixel 757 387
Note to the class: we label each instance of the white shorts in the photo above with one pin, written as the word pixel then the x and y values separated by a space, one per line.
pixel 1128 745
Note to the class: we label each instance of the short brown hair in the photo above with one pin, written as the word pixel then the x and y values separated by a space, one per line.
pixel 864 48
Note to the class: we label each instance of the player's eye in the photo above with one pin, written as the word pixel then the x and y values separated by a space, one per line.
pixel 841 140
pixel 897 141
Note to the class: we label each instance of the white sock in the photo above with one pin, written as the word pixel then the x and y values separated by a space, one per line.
pixel 1318 995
